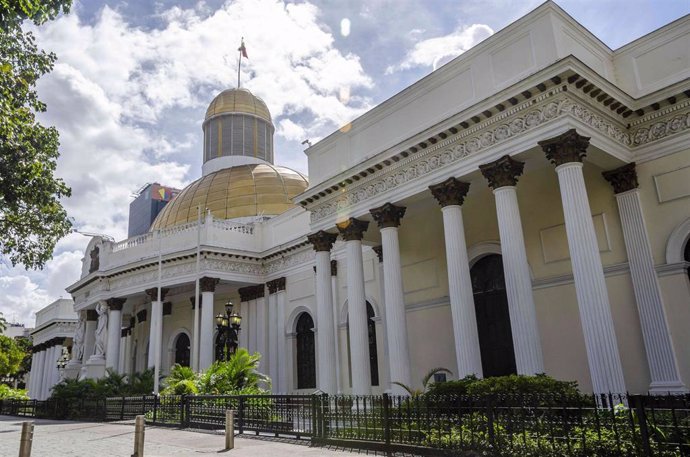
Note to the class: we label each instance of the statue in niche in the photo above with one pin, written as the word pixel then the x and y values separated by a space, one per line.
pixel 78 340
pixel 95 264
pixel 101 329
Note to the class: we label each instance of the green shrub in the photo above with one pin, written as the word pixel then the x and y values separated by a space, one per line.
pixel 234 377
pixel 8 393
pixel 181 381
pixel 512 385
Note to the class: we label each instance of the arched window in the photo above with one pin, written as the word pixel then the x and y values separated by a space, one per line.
pixel 306 355
pixel 493 318
pixel 373 352
pixel 182 352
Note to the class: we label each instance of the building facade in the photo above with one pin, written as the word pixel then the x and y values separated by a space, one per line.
pixel 145 207
pixel 523 209
pixel 52 339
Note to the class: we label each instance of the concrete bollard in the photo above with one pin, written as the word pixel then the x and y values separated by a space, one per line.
pixel 229 429
pixel 139 426
pixel 26 439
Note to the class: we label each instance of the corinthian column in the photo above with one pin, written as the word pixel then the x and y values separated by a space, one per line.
pixel 450 195
pixel 352 231
pixel 156 325
pixel 245 297
pixel 661 358
pixel 261 321
pixel 502 176
pixel 566 151
pixel 388 219
pixel 112 354
pixel 206 342
pixel 322 243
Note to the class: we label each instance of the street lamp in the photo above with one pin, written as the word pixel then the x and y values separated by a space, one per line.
pixel 228 329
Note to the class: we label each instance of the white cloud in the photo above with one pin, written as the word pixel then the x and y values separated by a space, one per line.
pixel 434 52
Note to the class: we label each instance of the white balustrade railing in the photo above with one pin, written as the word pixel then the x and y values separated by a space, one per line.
pixel 230 226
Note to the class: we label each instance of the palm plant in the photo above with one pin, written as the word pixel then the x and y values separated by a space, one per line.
pixel 238 375
pixel 425 382
pixel 181 381
pixel 141 383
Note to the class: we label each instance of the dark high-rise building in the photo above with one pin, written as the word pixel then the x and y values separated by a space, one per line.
pixel 143 210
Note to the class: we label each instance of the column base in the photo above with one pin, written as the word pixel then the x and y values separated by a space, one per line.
pixel 663 388
pixel 93 369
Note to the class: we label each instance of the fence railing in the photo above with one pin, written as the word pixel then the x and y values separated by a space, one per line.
pixel 525 425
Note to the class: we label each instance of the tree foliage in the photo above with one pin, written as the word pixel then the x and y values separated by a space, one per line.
pixel 239 375
pixel 11 356
pixel 32 218
pixel 3 323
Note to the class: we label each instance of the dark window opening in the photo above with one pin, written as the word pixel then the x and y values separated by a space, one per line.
pixel 306 355
pixel 182 350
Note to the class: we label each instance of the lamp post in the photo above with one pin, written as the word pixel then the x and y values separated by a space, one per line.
pixel 228 329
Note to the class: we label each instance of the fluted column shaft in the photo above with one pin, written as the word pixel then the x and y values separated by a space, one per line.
pixel 244 313
pixel 281 303
pixel 357 316
pixel 49 364
pixel 467 353
pixel 663 367
pixel 384 373
pixel 523 315
pixel 32 380
pixel 324 317
pixel 112 350
pixel 261 322
pixel 590 284
pixel 54 372
pixel 336 339
pixel 206 340
pixel 40 359
pixel 252 337
pixel 156 322
pixel 273 340
pixel 396 319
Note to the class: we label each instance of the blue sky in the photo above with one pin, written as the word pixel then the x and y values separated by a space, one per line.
pixel 133 80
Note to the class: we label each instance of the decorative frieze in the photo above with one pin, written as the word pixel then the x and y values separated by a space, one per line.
pixel 208 284
pixel 352 229
pixel 565 148
pixel 322 240
pixel 502 172
pixel 622 179
pixel 388 215
pixel 452 191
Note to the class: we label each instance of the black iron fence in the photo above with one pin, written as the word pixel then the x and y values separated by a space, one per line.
pixel 525 425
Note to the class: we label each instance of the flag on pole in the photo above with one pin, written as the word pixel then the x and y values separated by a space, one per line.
pixel 243 50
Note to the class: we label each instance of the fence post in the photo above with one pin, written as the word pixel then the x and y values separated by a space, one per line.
pixel 324 415
pixel 183 400
pixel 122 409
pixel 155 408
pixel 386 423
pixel 229 429
pixel 490 419
pixel 26 439
pixel 139 427
pixel 187 410
pixel 240 414
pixel 638 402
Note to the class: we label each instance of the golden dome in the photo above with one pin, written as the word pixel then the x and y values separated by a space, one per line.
pixel 238 101
pixel 239 191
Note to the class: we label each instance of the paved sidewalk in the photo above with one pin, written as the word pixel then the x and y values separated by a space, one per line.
pixel 90 439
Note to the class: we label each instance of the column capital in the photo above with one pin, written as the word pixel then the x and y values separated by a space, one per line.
pixel 622 179
pixel 259 290
pixel 91 315
pixel 452 191
pixel 565 148
pixel 334 267
pixel 388 215
pixel 276 285
pixel 247 293
pixel 502 172
pixel 379 252
pixel 207 284
pixel 352 229
pixel 322 240
pixel 115 304
pixel 153 293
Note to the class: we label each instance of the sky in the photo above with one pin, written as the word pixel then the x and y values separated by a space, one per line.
pixel 133 80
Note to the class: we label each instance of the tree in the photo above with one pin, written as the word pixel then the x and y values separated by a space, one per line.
pixel 32 218
pixel 239 375
pixel 11 356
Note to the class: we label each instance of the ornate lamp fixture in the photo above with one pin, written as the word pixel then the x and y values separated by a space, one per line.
pixel 228 330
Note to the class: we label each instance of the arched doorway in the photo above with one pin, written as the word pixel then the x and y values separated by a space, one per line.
pixel 182 350
pixel 306 354
pixel 493 318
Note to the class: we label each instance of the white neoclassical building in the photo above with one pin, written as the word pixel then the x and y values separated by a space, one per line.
pixel 51 339
pixel 523 209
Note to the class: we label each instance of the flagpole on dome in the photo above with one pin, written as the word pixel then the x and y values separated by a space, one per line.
pixel 243 53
